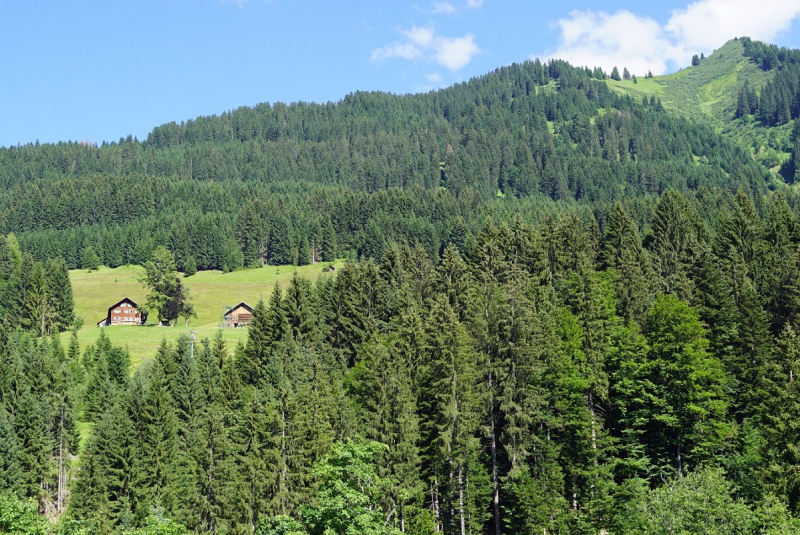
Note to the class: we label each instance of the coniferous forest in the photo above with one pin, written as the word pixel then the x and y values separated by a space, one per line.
pixel 564 310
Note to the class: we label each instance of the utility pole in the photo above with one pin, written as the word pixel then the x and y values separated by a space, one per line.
pixel 191 339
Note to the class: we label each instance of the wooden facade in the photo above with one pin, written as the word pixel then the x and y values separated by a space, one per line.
pixel 238 316
pixel 124 312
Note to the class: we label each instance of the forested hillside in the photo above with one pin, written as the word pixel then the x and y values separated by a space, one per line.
pixel 282 183
pixel 564 310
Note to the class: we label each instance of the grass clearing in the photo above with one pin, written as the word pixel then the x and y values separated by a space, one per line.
pixel 210 291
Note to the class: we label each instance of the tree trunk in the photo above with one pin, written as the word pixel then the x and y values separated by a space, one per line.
pixel 495 482
pixel 461 500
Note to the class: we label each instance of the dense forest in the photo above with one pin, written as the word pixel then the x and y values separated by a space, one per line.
pixel 564 311
pixel 282 184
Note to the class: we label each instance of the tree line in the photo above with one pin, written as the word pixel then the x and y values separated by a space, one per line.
pixel 282 183
pixel 542 377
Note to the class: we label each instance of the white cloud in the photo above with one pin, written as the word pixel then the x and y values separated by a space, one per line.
pixel 707 24
pixel 474 4
pixel 640 43
pixel 443 7
pixel 433 78
pixel 457 52
pixel 420 35
pixel 421 42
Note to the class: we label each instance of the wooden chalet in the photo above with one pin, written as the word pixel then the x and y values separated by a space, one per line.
pixel 124 312
pixel 238 316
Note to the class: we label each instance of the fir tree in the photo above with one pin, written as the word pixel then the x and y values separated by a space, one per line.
pixel 10 471
pixel 59 290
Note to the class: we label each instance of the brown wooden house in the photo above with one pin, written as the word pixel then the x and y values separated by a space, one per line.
pixel 238 316
pixel 125 312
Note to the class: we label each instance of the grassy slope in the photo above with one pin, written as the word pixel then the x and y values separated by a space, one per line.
pixel 210 291
pixel 708 92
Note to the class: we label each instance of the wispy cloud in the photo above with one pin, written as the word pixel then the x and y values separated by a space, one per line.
pixel 640 43
pixel 443 7
pixel 422 42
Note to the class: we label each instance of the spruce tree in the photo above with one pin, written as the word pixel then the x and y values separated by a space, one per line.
pixel 59 290
pixel 330 247
pixel 385 391
pixel 39 311
pixel 90 500
pixel 10 470
pixel 34 444
pixel 159 442
pixel 189 266
pixel 451 406
pixel 622 251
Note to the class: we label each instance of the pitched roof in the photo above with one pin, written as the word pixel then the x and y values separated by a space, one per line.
pixel 242 304
pixel 118 303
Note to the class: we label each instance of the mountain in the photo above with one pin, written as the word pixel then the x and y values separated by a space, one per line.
pixel 551 303
pixel 709 92
pixel 254 184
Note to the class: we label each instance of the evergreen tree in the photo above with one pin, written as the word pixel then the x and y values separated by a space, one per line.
pixel 330 246
pixel 91 261
pixel 39 312
pixel 674 244
pixel 10 471
pixel 622 251
pixel 303 252
pixel 59 290
pixel 34 445
pixel 159 443
pixel 385 391
pixel 189 266
pixel 451 406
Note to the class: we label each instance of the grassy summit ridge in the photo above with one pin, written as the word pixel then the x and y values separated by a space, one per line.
pixel 707 93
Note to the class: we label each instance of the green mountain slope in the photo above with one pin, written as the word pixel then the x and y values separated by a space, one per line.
pixel 708 93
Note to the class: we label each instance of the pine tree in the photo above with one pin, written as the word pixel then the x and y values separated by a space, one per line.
pixel 298 309
pixel 674 244
pixel 303 252
pixel 622 251
pixel 615 74
pixel 330 247
pixel 280 242
pixel 159 442
pixel 451 406
pixel 385 391
pixel 34 443
pixel 39 312
pixel 90 501
pixel 59 290
pixel 189 266
pixel 209 371
pixel 10 471
pixel 214 476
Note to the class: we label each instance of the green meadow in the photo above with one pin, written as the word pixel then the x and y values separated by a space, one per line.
pixel 210 292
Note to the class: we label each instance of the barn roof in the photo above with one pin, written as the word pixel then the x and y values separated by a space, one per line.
pixel 241 304
pixel 118 303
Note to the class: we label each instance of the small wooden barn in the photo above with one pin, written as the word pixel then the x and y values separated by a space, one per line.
pixel 238 316
pixel 124 312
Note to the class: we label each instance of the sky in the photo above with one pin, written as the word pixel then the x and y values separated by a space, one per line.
pixel 99 70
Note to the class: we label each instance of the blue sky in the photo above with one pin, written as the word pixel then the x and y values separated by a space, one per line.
pixel 102 69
